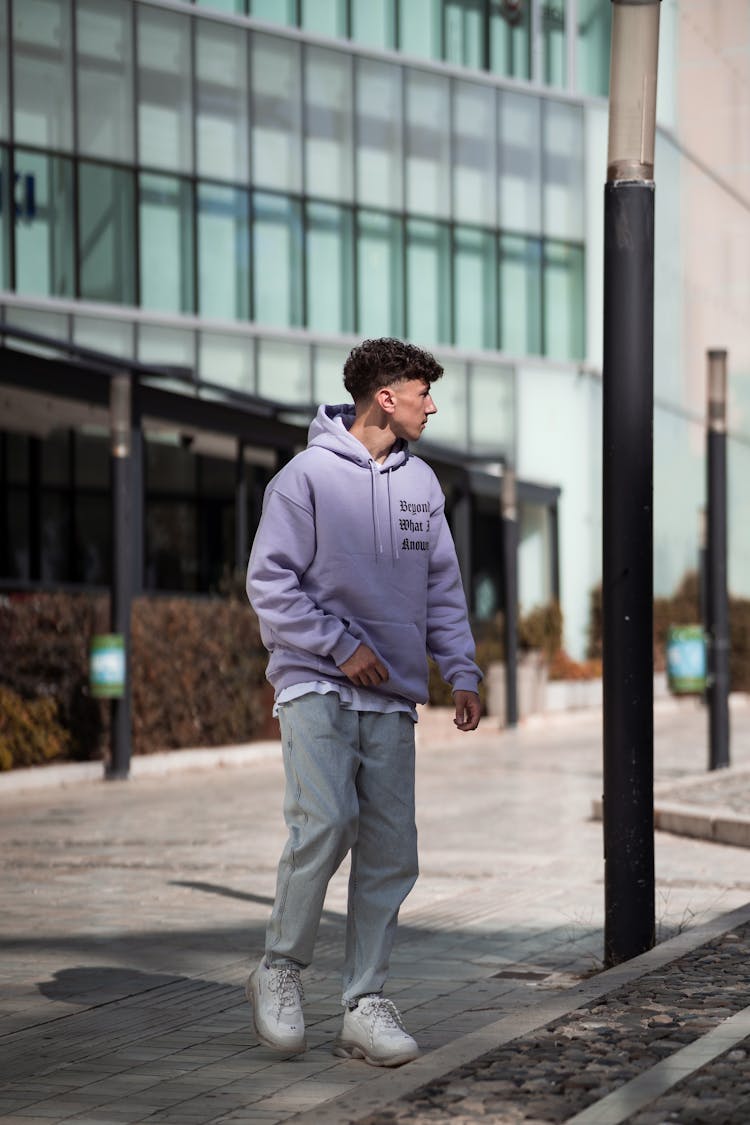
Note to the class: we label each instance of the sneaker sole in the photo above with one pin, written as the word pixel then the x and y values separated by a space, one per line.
pixel 266 1040
pixel 344 1050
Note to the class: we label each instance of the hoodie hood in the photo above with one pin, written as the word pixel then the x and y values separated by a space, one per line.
pixel 329 429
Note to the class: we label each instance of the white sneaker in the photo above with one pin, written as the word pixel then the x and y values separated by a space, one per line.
pixel 373 1031
pixel 275 993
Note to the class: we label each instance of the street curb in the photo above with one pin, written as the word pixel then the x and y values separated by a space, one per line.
pixel 37 778
pixel 390 1086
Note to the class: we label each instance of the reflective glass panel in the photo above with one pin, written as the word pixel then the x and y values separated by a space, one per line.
pixel 4 72
pixel 276 113
pixel 227 360
pixel 166 229
pixel 329 268
pixel 106 231
pixel 44 225
pixel 115 336
pixel 419 28
pixel 93 535
pixel 274 11
pixel 563 170
pixel 174 346
pixel 235 6
pixel 520 160
pixel 592 57
pixel 380 281
pixel 510 38
pixel 552 16
pixel 325 17
pixel 373 22
pixel 428 290
pixel 104 58
pixel 451 395
pixel 491 421
pixel 474 173
pixel 222 107
pixel 464 33
pixel 171 534
pixel 379 133
pixel 223 252
pixel 520 295
pixel 164 90
pixel 328 123
pixel 42 73
pixel 427 144
pixel 277 238
pixel 563 301
pixel 328 375
pixel 6 229
pixel 475 288
pixel 284 371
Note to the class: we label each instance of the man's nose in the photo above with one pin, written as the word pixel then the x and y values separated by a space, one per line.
pixel 430 406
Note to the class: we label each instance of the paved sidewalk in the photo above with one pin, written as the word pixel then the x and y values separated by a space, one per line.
pixel 130 914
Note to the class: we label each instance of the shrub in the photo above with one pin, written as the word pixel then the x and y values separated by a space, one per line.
pixel 30 731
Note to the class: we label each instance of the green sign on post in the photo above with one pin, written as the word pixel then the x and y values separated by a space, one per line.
pixel 107 666
pixel 686 660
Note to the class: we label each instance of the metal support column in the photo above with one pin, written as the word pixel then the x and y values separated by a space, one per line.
pixel 122 564
pixel 509 526
pixel 717 599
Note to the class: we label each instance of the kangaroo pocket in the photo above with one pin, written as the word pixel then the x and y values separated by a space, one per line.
pixel 401 647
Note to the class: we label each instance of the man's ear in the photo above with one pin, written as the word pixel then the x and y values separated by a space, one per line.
pixel 385 399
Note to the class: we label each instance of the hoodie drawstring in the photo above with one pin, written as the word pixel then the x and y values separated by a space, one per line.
pixel 376 528
pixel 394 546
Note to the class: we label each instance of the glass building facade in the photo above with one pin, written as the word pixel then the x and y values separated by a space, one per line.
pixel 243 189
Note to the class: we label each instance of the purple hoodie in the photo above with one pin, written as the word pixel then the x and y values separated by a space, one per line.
pixel 349 551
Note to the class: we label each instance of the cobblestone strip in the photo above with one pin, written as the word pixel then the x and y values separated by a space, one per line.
pixel 717 1094
pixel 578 1060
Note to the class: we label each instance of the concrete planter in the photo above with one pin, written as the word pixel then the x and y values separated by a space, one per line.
pixel 532 682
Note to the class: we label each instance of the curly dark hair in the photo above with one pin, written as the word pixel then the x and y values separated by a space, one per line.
pixel 379 363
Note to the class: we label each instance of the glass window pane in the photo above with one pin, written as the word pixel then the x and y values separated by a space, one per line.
pixel 55 536
pixel 222 137
pixel 237 7
pixel 55 449
pixel 106 230
pixel 92 459
pixel 93 535
pixel 520 158
pixel 51 324
pixel 104 58
pixel 171 535
pixel 277 238
pixel 326 17
pixel 491 420
pixel 275 11
pixel 42 73
pixel 419 28
pixel 427 144
pixel 328 123
pixel 451 395
pixel 4 73
pixel 328 375
pixel 44 225
pixel 17 549
pixel 520 295
pixel 284 371
pixel 592 58
pixel 164 90
pixel 329 268
pixel 173 346
pixel 6 231
pixel 115 336
pixel 166 218
pixel 223 252
pixel 380 281
pixel 373 22
pixel 553 43
pixel 227 360
pixel 379 134
pixel 474 173
pixel 428 304
pixel 563 301
pixel 464 32
pixel 276 113
pixel 510 38
pixel 475 289
pixel 563 170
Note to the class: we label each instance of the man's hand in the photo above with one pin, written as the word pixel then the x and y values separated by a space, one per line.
pixel 365 669
pixel 467 709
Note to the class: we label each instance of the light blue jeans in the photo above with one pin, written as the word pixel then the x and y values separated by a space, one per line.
pixel 349 787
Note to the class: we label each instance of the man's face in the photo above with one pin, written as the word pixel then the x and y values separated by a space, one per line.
pixel 412 406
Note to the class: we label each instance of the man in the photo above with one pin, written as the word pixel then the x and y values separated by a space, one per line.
pixel 353 575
